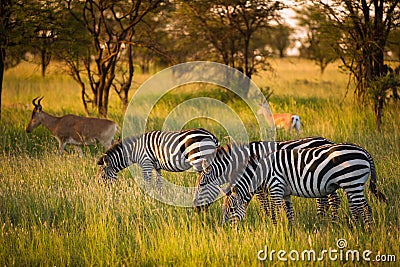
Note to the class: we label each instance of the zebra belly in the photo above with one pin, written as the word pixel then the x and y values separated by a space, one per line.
pixel 173 166
pixel 309 187
pixel 312 194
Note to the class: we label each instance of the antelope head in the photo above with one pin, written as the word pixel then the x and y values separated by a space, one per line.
pixel 36 115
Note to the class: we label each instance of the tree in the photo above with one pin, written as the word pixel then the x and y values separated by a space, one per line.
pixel 7 24
pixel 364 29
pixel 394 43
pixel 43 28
pixel 12 39
pixel 231 27
pixel 321 36
pixel 110 27
pixel 247 17
pixel 200 21
pixel 279 38
pixel 167 40
pixel 28 26
pixel 39 28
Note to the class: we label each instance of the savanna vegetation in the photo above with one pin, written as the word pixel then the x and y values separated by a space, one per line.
pixel 54 210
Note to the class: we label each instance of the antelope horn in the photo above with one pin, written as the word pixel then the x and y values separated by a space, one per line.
pixel 38 103
pixel 33 102
pixel 40 99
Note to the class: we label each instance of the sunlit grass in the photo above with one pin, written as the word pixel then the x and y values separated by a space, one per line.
pixel 54 211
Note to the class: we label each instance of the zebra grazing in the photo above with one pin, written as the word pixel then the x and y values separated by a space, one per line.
pixel 310 172
pixel 174 151
pixel 230 162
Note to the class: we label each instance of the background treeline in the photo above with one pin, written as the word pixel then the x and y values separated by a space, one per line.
pixel 103 42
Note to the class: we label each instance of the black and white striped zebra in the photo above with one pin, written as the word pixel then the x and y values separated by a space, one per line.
pixel 310 172
pixel 231 160
pixel 174 151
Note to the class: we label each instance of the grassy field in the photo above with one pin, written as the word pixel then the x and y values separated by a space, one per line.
pixel 54 211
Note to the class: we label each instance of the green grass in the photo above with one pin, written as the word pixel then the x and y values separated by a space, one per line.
pixel 54 211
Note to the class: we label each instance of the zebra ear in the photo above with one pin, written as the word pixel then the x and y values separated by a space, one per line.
pixel 234 190
pixel 101 160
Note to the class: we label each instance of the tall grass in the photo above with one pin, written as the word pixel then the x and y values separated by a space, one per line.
pixel 54 211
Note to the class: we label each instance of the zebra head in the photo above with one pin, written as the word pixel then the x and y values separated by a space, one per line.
pixel 233 207
pixel 106 171
pixel 117 158
pixel 207 188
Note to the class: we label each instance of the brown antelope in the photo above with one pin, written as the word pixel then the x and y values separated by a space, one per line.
pixel 285 121
pixel 72 129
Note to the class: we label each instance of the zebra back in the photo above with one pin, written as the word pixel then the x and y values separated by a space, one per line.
pixel 303 143
pixel 199 145
pixel 309 172
pixel 179 150
pixel 230 162
pixel 172 151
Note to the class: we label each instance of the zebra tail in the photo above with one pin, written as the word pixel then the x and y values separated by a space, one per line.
pixel 373 181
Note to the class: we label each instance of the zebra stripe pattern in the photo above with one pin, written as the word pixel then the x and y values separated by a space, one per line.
pixel 174 151
pixel 310 172
pixel 230 162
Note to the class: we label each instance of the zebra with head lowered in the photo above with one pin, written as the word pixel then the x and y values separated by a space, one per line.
pixel 174 151
pixel 231 161
pixel 310 172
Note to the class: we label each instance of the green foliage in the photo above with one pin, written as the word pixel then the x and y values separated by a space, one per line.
pixel 54 211
pixel 394 43
pixel 321 36
pixel 232 29
pixel 280 38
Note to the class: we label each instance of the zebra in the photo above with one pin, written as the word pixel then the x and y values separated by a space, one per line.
pixel 174 151
pixel 309 172
pixel 231 160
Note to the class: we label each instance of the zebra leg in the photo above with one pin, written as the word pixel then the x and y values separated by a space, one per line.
pixel 289 209
pixel 355 207
pixel 263 198
pixel 359 207
pixel 276 200
pixel 147 171
pixel 273 210
pixel 367 213
pixel 159 184
pixel 322 206
pixel 334 203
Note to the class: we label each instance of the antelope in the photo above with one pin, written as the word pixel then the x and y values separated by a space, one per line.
pixel 285 121
pixel 72 129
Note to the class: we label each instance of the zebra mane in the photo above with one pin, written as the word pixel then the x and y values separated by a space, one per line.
pixel 228 148
pixel 117 147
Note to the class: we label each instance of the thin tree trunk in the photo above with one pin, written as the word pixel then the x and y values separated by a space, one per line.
pixel 43 54
pixel 131 70
pixel 2 68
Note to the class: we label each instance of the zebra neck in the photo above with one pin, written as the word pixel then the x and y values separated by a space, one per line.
pixel 124 155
